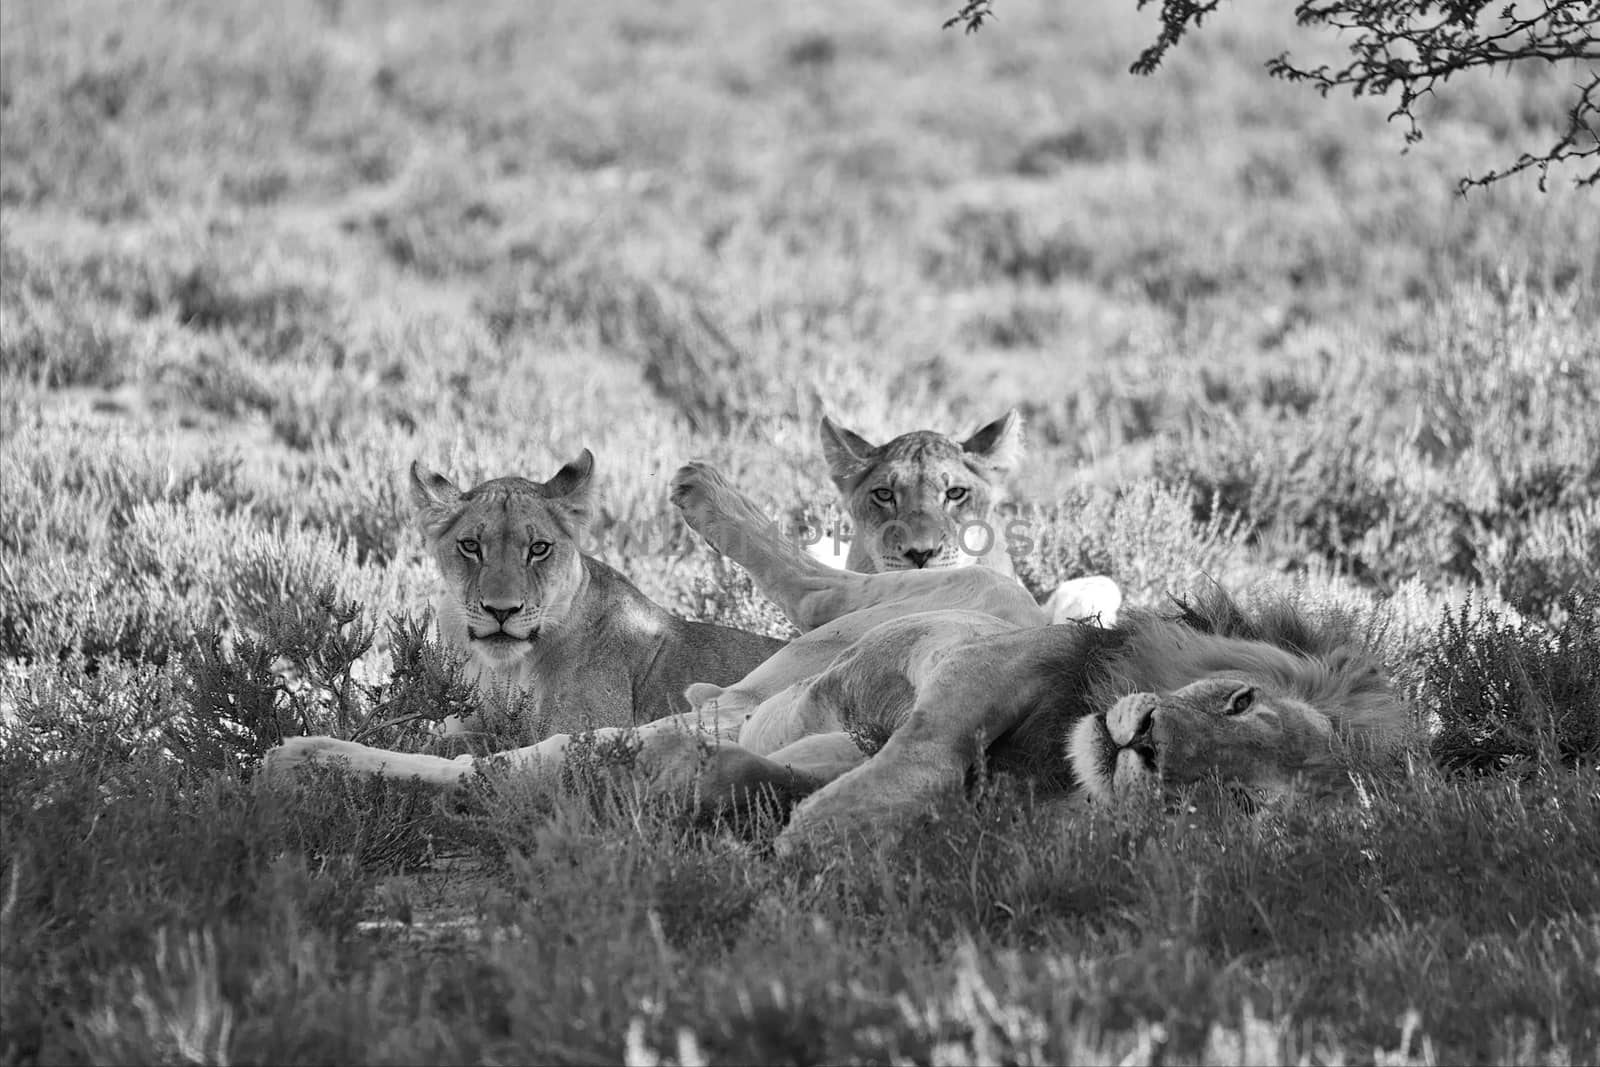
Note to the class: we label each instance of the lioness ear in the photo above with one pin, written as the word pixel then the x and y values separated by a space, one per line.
pixel 998 445
pixel 847 452
pixel 433 497
pixel 573 485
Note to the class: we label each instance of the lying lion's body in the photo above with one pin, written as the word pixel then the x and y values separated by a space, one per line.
pixel 561 637
pixel 1025 700
pixel 953 665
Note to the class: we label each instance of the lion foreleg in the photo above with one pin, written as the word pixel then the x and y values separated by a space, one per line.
pixel 299 751
pixel 905 779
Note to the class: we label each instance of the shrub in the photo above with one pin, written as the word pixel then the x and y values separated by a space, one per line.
pixel 1515 696
pixel 725 594
pixel 1535 540
pixel 442 222
pixel 105 713
pixel 685 352
pixel 309 673
pixel 65 324
pixel 1323 491
pixel 268 316
pixel 1145 535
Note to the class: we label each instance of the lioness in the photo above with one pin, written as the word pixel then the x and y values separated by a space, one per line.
pixel 950 665
pixel 548 628
pixel 925 500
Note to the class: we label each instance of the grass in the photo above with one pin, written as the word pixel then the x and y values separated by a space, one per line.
pixel 253 263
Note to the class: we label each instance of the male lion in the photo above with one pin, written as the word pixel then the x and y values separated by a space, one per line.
pixel 547 627
pixel 925 500
pixel 951 665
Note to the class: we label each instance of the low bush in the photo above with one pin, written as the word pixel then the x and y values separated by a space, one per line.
pixel 1514 697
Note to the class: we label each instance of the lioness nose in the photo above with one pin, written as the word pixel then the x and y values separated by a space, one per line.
pixel 500 614
pixel 919 557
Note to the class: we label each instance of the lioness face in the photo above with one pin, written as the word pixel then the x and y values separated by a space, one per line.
pixel 922 500
pixel 507 553
pixel 1225 728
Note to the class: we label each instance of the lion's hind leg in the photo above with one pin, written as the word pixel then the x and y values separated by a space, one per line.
pixel 823 757
pixel 688 771
pixel 732 780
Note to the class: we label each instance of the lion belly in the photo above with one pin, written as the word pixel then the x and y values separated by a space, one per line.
pixel 868 690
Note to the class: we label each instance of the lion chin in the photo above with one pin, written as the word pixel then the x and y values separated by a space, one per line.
pixel 1106 770
pixel 502 647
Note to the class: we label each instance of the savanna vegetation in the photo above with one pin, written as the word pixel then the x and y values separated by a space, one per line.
pixel 256 258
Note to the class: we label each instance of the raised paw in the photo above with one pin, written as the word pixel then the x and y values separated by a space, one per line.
pixel 709 503
pixel 694 485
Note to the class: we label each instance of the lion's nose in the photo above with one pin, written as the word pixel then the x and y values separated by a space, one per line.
pixel 1143 741
pixel 919 557
pixel 499 613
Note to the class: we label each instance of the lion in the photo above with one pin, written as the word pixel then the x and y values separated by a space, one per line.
pixel 925 500
pixel 1150 739
pixel 957 668
pixel 547 627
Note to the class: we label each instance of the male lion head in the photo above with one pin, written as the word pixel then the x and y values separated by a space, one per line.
pixel 923 500
pixel 507 553
pixel 1233 729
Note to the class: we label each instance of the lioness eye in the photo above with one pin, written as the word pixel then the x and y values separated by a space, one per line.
pixel 883 496
pixel 955 494
pixel 538 550
pixel 469 547
pixel 1240 701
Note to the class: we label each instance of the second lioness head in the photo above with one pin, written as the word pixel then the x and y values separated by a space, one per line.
pixel 923 500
